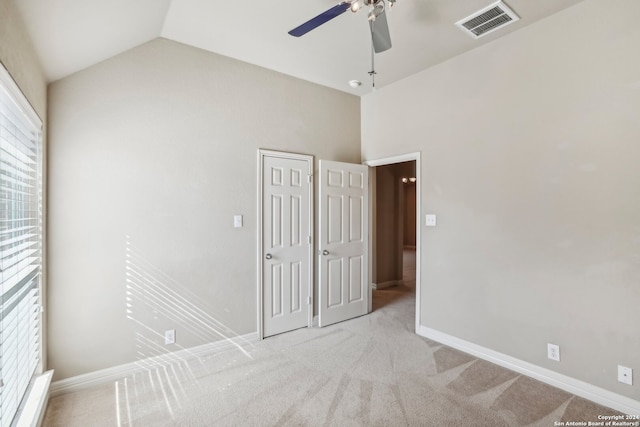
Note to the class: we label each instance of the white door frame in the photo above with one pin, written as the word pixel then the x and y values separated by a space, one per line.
pixel 310 160
pixel 389 161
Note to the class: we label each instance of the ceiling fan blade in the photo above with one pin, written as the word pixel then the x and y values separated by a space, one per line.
pixel 320 19
pixel 380 33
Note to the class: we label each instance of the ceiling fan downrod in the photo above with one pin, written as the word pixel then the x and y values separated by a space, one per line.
pixel 373 72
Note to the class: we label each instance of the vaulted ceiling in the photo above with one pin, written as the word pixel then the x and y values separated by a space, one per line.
pixel 70 35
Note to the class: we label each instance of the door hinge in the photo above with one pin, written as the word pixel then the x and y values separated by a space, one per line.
pixel 309 239
pixel 310 178
pixel 309 300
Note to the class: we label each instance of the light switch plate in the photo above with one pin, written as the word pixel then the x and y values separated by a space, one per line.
pixel 237 221
pixel 430 220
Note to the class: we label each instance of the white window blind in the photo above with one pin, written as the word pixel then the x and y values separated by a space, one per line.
pixel 20 245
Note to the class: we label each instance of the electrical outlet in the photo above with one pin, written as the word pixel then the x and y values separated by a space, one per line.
pixel 553 352
pixel 170 336
pixel 625 375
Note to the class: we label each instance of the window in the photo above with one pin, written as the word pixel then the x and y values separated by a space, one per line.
pixel 20 246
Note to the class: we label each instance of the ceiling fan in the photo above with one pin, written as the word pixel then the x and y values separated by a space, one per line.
pixel 377 20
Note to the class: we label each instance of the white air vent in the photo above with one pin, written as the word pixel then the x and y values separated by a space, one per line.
pixel 487 20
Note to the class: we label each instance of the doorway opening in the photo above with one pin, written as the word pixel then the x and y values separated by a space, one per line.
pixel 395 231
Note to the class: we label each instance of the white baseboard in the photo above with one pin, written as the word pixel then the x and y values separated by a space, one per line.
pixel 561 381
pixel 103 376
pixel 388 284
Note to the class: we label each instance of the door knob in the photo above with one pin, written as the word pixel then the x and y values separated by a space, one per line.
pixel 325 252
pixel 268 256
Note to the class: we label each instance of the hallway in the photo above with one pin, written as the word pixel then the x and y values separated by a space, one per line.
pixel 404 294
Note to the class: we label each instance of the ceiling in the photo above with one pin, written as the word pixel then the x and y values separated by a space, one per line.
pixel 70 35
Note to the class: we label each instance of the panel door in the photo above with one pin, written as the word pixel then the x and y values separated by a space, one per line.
pixel 286 243
pixel 343 242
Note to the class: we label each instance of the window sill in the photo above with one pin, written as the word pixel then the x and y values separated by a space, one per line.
pixel 34 405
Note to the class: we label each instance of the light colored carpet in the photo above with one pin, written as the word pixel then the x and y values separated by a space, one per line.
pixel 369 371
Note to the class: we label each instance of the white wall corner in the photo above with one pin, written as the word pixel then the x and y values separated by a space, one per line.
pixel 579 388
pixel 104 376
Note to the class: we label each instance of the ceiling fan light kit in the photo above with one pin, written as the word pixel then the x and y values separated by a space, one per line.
pixel 356 5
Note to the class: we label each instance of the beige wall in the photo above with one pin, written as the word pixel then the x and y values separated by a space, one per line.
pixel 19 57
pixel 388 266
pixel 152 153
pixel 530 149
pixel 409 224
